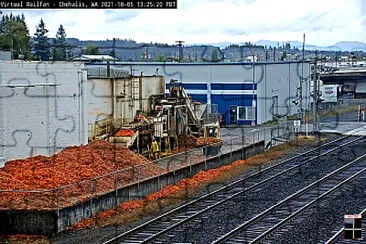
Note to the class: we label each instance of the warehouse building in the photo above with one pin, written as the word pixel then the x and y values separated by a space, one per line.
pixel 244 92
pixel 46 106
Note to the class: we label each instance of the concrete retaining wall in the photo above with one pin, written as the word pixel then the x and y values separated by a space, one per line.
pixel 48 222
pixel 28 222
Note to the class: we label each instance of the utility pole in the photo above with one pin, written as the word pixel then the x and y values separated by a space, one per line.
pixel 254 103
pixel 302 77
pixel 180 50
pixel 315 95
pixel 114 50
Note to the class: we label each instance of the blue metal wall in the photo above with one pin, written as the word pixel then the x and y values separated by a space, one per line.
pixel 225 101
pixel 239 86
pixel 199 98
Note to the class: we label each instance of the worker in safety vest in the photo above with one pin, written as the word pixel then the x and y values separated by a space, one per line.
pixel 155 149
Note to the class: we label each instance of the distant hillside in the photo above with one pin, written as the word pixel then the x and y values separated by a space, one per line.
pixel 130 50
pixel 339 46
pixel 351 46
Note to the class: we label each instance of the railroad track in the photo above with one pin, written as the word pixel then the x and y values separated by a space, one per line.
pixel 337 237
pixel 171 220
pixel 267 223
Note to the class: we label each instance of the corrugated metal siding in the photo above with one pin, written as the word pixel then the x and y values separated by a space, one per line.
pixel 282 80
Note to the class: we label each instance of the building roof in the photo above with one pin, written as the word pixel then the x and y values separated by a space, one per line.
pixel 200 63
pixel 5 55
pixel 95 58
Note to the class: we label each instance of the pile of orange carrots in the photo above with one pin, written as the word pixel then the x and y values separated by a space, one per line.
pixel 72 165
pixel 124 132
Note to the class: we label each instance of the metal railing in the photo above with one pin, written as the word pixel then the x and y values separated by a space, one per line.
pixel 102 72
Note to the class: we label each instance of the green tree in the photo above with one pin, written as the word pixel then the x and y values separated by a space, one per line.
pixel 160 58
pixel 60 51
pixel 112 53
pixel 92 49
pixel 284 56
pixel 14 36
pixel 214 57
pixel 41 45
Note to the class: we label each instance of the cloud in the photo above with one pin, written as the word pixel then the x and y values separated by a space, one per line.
pixel 121 15
pixel 211 21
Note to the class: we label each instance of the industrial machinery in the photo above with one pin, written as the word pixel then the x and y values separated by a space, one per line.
pixel 211 130
pixel 164 117
pixel 174 115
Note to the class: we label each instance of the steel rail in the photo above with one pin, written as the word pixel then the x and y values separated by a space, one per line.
pixel 240 228
pixel 151 236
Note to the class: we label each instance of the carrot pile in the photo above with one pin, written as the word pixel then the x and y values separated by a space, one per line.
pixel 182 186
pixel 202 141
pixel 190 141
pixel 23 238
pixel 72 165
pixel 187 141
pixel 124 132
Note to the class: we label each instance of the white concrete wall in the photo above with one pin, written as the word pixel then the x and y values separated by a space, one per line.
pixel 42 108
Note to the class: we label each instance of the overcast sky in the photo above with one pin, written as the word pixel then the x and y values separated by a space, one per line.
pixel 325 22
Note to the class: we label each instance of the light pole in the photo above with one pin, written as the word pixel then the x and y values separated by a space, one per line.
pixel 254 105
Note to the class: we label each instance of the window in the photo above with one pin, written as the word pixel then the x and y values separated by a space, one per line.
pixel 246 113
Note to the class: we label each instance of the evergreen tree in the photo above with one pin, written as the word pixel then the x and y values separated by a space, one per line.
pixel 92 49
pixel 41 45
pixel 14 36
pixel 214 57
pixel 284 56
pixel 60 51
